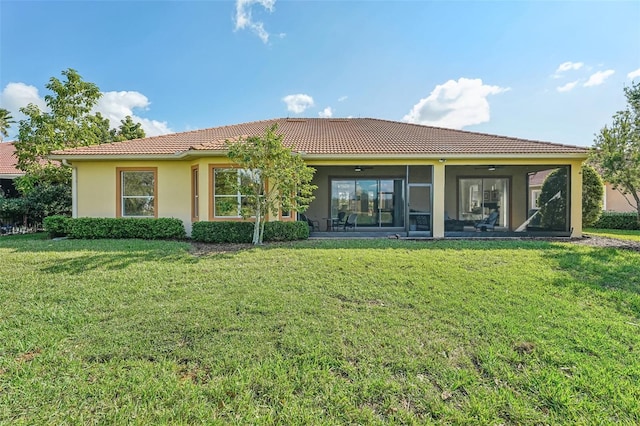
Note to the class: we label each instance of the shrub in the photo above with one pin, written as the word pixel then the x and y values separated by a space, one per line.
pixel 592 195
pixel 554 214
pixel 286 231
pixel 56 226
pixel 148 229
pixel 242 232
pixel 222 232
pixel 612 220
pixel 12 210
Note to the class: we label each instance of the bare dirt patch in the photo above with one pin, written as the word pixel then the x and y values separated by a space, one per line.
pixel 598 241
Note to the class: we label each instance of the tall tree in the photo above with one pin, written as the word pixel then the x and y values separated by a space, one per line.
pixel 5 122
pixel 616 149
pixel 69 123
pixel 272 177
pixel 128 129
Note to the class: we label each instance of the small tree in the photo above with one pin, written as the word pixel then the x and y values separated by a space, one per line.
pixel 128 129
pixel 275 177
pixel 616 150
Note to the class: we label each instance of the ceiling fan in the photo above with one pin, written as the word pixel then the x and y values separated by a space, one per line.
pixel 491 168
pixel 361 168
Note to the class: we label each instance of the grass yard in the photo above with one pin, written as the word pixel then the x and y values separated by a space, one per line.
pixel 318 332
pixel 620 234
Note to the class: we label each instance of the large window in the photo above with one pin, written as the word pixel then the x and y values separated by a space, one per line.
pixel 229 197
pixel 479 197
pixel 195 193
pixel 377 202
pixel 137 190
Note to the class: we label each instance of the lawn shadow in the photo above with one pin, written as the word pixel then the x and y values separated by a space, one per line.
pixel 78 256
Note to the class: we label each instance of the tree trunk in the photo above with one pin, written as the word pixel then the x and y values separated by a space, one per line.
pixel 256 227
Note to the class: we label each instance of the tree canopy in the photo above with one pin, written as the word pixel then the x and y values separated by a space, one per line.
pixel 5 122
pixel 128 129
pixel 68 122
pixel 275 178
pixel 616 149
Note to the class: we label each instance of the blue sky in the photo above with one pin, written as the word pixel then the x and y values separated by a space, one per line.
pixel 550 71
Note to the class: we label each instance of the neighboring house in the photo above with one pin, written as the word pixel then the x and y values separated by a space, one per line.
pixel 615 201
pixel 395 177
pixel 8 170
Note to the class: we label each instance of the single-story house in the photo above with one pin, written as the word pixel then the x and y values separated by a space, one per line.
pixel 393 177
pixel 8 170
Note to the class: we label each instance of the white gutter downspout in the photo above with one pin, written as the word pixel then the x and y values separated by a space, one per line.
pixel 74 187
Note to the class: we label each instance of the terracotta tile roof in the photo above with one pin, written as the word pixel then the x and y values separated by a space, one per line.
pixel 325 136
pixel 8 160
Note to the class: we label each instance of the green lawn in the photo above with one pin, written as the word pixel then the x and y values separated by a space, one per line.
pixel 619 234
pixel 318 332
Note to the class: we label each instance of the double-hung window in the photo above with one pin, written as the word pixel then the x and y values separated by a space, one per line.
pixel 229 191
pixel 137 189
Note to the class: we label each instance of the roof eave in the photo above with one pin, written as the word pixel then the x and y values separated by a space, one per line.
pixel 180 155
pixel 444 156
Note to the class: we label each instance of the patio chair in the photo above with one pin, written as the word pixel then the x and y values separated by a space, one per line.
pixel 314 225
pixel 351 221
pixel 339 221
pixel 488 222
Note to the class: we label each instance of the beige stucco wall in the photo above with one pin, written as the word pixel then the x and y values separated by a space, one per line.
pixel 95 193
pixel 96 188
pixel 614 200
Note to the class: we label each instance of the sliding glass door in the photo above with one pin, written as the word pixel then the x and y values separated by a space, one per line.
pixel 377 202
pixel 479 197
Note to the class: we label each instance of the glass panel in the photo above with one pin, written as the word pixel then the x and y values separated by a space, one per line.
pixel 225 181
pixel 553 201
pixel 419 199
pixel 479 197
pixel 137 183
pixel 470 199
pixel 420 174
pixel 495 196
pixel 196 193
pixel 377 202
pixel 343 196
pixel 226 206
pixel 366 205
pixel 139 206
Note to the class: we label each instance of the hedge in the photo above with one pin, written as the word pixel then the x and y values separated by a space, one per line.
pixel 611 220
pixel 242 232
pixel 98 227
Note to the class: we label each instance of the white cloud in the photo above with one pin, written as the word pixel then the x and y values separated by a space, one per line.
pixel 567 87
pixel 117 105
pixel 342 98
pixel 598 78
pixel 455 104
pixel 567 66
pixel 17 95
pixel 634 74
pixel 326 113
pixel 298 103
pixel 244 17
pixel 112 105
